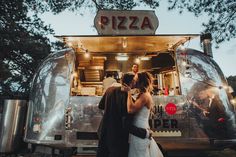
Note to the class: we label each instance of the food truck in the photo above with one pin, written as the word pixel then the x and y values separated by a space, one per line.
pixel 193 107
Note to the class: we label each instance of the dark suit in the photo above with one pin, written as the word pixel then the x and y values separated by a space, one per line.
pixel 116 125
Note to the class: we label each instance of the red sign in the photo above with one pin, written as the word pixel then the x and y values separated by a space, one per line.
pixel 134 22
pixel 170 108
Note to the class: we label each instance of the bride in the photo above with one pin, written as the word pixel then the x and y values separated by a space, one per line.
pixel 141 107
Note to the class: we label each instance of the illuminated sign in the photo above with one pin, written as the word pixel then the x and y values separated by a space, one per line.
pixel 133 22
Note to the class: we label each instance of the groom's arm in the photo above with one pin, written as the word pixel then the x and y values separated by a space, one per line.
pixel 127 121
pixel 101 104
pixel 136 131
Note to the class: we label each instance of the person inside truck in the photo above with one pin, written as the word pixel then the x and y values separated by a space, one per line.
pixel 108 81
pixel 156 90
pixel 135 69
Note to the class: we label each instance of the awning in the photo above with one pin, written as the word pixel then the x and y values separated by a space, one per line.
pixel 126 44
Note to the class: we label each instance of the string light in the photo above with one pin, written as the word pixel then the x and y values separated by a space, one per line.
pixel 181 47
pixel 122 57
pixel 137 60
pixel 70 44
pixel 86 54
pixel 144 58
pixel 124 42
pixel 184 63
pixel 233 101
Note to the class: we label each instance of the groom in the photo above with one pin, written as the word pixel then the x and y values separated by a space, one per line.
pixel 117 123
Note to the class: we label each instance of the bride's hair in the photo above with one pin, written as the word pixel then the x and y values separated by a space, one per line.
pixel 145 82
pixel 127 78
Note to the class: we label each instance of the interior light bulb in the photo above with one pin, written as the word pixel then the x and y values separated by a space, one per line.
pixel 124 42
pixel 184 63
pixel 70 44
pixel 137 60
pixel 86 54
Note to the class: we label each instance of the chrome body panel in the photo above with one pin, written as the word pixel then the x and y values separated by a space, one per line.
pixel 12 125
pixel 49 98
pixel 57 119
pixel 202 81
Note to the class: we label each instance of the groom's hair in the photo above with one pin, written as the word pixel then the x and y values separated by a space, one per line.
pixel 127 78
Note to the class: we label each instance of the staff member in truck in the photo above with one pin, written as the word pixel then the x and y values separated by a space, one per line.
pixel 108 81
pixel 135 69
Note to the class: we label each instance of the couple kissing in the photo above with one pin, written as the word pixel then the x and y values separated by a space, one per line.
pixel 124 130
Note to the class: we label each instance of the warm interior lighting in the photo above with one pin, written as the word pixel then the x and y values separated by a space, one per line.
pixel 86 54
pixel 144 58
pixel 70 44
pixel 137 60
pixel 122 58
pixel 75 74
pixel 225 87
pixel 181 47
pixel 233 101
pixel 188 74
pixel 124 42
pixel 100 57
pixel 184 63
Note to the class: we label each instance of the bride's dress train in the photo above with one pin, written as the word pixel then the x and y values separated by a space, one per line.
pixel 143 147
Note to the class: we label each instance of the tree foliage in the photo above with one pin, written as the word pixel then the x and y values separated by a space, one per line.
pixel 221 14
pixel 232 82
pixel 23 41
pixel 23 44
pixel 57 6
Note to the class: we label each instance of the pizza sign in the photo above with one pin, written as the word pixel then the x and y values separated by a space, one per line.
pixel 134 22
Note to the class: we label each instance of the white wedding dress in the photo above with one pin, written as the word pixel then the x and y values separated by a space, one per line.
pixel 139 147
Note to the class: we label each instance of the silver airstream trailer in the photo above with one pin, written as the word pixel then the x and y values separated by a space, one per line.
pixel 192 98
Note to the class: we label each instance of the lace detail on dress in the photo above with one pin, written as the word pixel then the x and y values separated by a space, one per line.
pixel 143 147
pixel 141 118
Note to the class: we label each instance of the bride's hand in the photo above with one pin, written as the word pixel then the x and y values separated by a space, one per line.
pixel 126 89
pixel 150 132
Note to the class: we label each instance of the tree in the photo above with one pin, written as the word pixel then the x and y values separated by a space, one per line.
pixel 23 44
pixel 221 24
pixel 222 16
pixel 232 82
pixel 23 41
pixel 57 6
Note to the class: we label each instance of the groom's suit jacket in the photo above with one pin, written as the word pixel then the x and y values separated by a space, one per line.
pixel 116 124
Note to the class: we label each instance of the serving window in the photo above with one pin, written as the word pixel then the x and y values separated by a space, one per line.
pixel 117 53
pixel 90 72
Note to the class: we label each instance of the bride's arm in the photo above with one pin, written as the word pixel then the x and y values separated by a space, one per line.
pixel 132 106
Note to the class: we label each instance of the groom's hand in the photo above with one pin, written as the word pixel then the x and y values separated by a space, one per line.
pixel 149 133
pixel 125 88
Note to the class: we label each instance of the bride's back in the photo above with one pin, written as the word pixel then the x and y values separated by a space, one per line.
pixel 141 118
